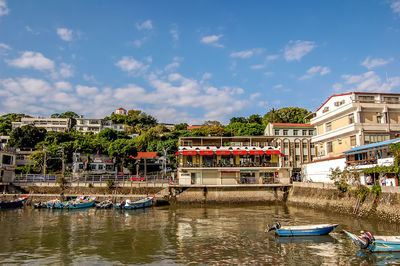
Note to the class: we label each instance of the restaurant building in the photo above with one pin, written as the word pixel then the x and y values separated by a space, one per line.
pixel 230 161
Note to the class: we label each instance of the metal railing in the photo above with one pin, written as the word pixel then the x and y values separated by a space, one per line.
pixel 118 180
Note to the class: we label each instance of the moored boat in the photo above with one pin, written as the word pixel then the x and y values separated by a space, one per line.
pixel 137 204
pixel 12 204
pixel 107 204
pixel 302 230
pixel 81 202
pixel 373 243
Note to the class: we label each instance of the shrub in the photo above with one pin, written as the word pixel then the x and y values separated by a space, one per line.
pixel 377 190
pixel 109 183
pixel 362 192
pixel 61 181
pixel 90 185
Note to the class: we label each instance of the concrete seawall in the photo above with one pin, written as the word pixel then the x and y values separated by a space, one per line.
pixel 328 197
pixel 226 194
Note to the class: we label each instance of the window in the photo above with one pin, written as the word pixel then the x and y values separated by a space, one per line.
pixel 297 158
pixel 366 99
pixel 353 141
pixel 329 146
pixel 312 145
pixel 276 132
pixel 368 139
pixel 285 132
pixel 304 145
pixel 101 166
pixel 326 109
pixel 328 126
pixel 351 119
pixel 305 158
pixel 297 145
pixel 311 132
pixel 391 99
pixel 286 144
pixel 304 132
pixel 295 132
pixel 7 159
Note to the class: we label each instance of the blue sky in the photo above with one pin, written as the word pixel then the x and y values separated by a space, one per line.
pixel 192 61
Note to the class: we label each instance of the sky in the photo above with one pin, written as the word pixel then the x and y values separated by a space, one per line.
pixel 193 61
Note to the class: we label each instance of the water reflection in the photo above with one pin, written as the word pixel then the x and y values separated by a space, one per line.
pixel 181 235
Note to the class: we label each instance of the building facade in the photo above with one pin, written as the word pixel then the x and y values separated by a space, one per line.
pixel 295 143
pixel 50 124
pixel 96 125
pixel 7 170
pixel 230 161
pixel 348 120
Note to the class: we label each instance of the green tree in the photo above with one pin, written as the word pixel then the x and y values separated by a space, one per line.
pixel 255 119
pixel 181 126
pixel 239 119
pixel 245 129
pixel 6 120
pixel 26 137
pixel 286 115
pixel 121 150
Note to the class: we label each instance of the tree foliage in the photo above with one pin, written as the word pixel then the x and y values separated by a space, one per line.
pixel 245 129
pixel 26 137
pixel 6 120
pixel 286 115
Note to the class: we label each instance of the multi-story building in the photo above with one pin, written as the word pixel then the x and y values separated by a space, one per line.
pixel 295 143
pixel 120 111
pixel 50 124
pixel 230 161
pixel 7 162
pixel 347 120
pixel 96 125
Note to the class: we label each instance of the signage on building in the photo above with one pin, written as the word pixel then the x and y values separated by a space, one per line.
pixel 386 162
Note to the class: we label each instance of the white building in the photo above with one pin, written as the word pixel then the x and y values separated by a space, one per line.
pixel 50 124
pixel 96 125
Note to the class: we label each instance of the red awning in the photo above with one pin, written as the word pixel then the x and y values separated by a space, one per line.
pixel 239 152
pixel 206 153
pixel 223 152
pixel 273 152
pixel 256 152
pixel 189 152
pixel 177 153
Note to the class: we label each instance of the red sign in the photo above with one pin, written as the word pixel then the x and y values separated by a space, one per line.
pixel 239 152
pixel 273 152
pixel 223 152
pixel 256 152
pixel 206 153
pixel 189 152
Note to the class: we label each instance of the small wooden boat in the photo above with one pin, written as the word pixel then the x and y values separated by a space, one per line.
pixel 373 243
pixel 12 204
pixel 128 204
pixel 303 230
pixel 81 202
pixel 107 204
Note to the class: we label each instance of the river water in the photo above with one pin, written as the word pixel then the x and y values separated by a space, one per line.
pixel 181 235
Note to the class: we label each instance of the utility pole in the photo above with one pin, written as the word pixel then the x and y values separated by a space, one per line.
pixel 44 162
pixel 62 162
pixel 165 162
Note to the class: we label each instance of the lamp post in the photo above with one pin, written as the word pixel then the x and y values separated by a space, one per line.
pixel 62 162
pixel 44 162
pixel 165 162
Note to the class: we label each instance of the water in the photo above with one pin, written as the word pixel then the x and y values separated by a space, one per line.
pixel 181 235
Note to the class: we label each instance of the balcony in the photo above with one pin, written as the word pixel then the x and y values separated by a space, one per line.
pixel 229 165
pixel 362 162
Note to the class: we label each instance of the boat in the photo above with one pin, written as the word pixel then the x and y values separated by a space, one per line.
pixel 137 204
pixel 12 204
pixel 81 202
pixel 373 243
pixel 107 204
pixel 302 230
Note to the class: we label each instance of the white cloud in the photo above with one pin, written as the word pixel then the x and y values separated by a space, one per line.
pixel 396 7
pixel 371 63
pixel 246 53
pixel 272 57
pixel 174 65
pixel 257 66
pixel 4 48
pixel 63 86
pixel 278 86
pixel 65 34
pixel 89 78
pixel 146 25
pixel 206 76
pixel 31 30
pixel 315 70
pixel 131 65
pixel 174 32
pixel 212 40
pixel 3 8
pixel 295 50
pixel 86 91
pixel 367 82
pixel 31 59
pixel 66 70
pixel 269 74
pixel 255 96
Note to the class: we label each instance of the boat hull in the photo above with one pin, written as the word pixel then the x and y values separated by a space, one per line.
pixel 138 204
pixel 12 204
pixel 381 243
pixel 73 205
pixel 304 231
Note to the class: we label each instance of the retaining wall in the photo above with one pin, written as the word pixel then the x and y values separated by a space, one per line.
pixel 328 197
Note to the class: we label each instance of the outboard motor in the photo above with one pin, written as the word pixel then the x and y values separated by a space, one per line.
pixel 369 238
pixel 274 227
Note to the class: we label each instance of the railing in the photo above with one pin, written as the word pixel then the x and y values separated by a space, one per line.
pixel 222 165
pixel 119 180
pixel 361 162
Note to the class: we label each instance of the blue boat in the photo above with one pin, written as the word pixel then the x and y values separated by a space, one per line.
pixel 128 204
pixel 373 243
pixel 303 230
pixel 82 202
pixel 12 204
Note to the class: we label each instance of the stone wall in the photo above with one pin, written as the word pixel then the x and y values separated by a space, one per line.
pixel 328 197
pixel 230 195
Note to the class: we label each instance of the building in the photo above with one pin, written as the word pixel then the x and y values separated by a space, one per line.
pixel 348 120
pixel 7 170
pixel 95 163
pixel 3 141
pixel 230 161
pixel 50 124
pixel 120 111
pixel 370 156
pixel 295 143
pixel 96 125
